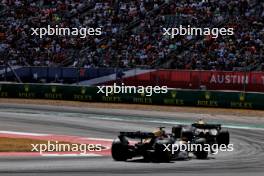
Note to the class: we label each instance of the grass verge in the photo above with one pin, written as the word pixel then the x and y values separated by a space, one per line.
pixel 24 145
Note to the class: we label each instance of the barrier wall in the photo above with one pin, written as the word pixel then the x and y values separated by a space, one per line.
pixel 173 97
pixel 185 79
pixel 50 74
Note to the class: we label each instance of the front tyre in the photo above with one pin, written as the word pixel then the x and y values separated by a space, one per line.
pixel 223 138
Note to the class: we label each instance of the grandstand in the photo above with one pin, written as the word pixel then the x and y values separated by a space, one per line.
pixel 132 34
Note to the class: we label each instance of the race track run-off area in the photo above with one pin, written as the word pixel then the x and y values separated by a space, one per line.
pixel 104 143
pixel 101 126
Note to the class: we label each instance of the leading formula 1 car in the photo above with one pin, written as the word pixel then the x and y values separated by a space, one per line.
pixel 203 134
pixel 153 146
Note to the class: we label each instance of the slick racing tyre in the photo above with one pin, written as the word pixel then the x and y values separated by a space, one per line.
pixel 119 150
pixel 160 154
pixel 223 138
pixel 177 131
pixel 187 134
pixel 201 153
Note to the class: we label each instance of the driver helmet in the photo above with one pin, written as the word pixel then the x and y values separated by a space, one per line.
pixel 200 122
pixel 159 133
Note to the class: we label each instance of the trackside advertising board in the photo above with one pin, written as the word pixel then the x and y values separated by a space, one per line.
pixel 173 97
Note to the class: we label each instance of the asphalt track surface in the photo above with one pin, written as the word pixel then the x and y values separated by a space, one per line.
pixel 246 159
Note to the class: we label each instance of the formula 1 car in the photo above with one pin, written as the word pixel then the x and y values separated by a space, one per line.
pixel 151 146
pixel 159 146
pixel 203 134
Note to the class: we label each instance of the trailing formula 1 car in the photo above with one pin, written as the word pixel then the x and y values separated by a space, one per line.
pixel 151 146
pixel 160 146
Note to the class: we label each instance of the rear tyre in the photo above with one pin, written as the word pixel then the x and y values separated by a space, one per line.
pixel 201 153
pixel 177 131
pixel 160 154
pixel 187 134
pixel 119 150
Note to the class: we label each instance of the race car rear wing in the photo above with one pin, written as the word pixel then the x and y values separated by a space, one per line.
pixel 137 135
pixel 207 126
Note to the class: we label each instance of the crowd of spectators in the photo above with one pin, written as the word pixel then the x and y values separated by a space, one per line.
pixel 132 33
pixel 19 47
pixel 242 51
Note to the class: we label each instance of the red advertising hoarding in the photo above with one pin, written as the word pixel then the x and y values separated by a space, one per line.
pixel 211 80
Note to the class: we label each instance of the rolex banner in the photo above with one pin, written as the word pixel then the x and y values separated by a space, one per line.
pixel 173 97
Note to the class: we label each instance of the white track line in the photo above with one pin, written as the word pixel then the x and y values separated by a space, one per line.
pixel 99 139
pixel 23 133
pixel 71 155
